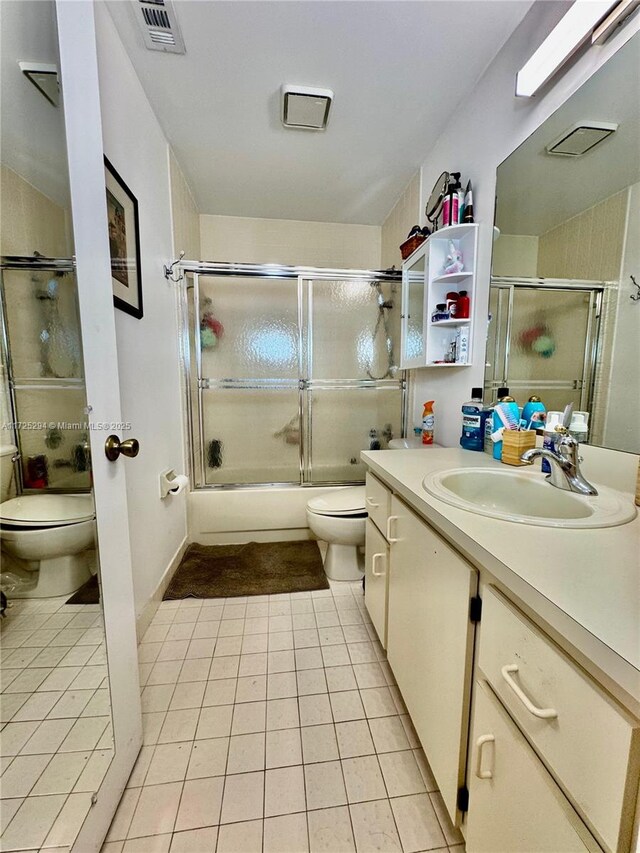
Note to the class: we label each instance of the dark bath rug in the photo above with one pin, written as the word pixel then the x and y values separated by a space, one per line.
pixel 256 568
pixel 89 593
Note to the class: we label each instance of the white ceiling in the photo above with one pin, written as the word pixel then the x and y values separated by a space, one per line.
pixel 32 140
pixel 537 191
pixel 398 70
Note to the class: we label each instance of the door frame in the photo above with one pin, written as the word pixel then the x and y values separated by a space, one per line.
pixel 83 126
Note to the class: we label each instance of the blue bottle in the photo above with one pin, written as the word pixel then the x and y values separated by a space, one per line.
pixel 474 417
pixel 534 413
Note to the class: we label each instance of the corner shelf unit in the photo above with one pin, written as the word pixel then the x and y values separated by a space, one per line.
pixel 424 285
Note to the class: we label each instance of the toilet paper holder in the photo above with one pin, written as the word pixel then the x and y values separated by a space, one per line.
pixel 172 483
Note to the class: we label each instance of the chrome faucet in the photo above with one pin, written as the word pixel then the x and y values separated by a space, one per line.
pixel 565 465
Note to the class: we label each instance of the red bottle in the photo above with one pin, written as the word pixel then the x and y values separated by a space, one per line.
pixel 463 306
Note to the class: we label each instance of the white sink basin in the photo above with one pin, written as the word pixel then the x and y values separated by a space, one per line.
pixel 527 498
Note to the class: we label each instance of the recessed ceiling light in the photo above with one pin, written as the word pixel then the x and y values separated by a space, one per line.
pixel 305 108
pixel 581 137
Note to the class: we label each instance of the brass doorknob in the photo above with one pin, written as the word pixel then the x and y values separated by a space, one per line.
pixel 113 447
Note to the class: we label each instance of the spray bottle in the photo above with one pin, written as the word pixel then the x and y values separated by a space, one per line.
pixel 428 423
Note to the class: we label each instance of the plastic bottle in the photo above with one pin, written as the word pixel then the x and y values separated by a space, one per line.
pixel 488 427
pixel 463 306
pixel 467 213
pixel 579 427
pixel 554 419
pixel 496 423
pixel 428 423
pixel 474 416
pixel 451 201
pixel 534 413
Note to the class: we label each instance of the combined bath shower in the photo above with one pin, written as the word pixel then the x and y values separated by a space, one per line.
pixel 382 323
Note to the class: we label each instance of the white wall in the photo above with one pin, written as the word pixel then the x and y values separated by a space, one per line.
pixel 148 348
pixel 405 213
pixel 289 241
pixel 487 127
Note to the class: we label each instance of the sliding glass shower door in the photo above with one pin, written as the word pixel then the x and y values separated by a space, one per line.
pixel 290 377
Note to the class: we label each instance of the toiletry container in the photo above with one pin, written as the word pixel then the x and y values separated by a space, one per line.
pixel 463 306
pixel 488 427
pixel 534 413
pixel 462 345
pixel 473 420
pixel 467 213
pixel 579 427
pixel 428 423
pixel 451 201
pixel 497 423
pixel 440 313
pixel 452 303
pixel 554 419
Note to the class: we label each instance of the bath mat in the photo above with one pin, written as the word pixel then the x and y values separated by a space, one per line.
pixel 89 593
pixel 257 568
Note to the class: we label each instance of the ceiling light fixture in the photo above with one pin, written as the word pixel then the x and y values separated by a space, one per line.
pixel 581 137
pixel 305 108
pixel 617 17
pixel 562 42
pixel 44 77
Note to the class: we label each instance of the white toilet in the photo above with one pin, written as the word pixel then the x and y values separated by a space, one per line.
pixel 49 534
pixel 339 518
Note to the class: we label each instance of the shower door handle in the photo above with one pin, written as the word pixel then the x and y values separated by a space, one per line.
pixel 113 447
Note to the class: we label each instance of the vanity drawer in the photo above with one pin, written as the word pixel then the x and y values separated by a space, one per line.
pixel 589 743
pixel 378 501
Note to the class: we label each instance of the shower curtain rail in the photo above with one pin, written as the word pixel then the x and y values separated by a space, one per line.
pixel 29 262
pixel 281 271
pixel 551 283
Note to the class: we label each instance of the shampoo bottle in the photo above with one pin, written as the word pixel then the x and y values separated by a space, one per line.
pixel 488 427
pixel 428 423
pixel 473 422
pixel 534 413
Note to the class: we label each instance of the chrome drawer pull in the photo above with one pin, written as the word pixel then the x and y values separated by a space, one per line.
pixel 371 502
pixel 544 713
pixel 389 520
pixel 480 773
pixel 374 559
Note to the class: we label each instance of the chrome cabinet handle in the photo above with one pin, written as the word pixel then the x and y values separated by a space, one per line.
pixel 371 502
pixel 480 773
pixel 543 713
pixel 113 447
pixel 391 518
pixel 374 560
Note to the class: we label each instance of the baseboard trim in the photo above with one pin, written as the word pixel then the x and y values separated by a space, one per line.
pixel 149 610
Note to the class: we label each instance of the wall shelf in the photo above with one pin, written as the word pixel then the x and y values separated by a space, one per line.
pixel 424 285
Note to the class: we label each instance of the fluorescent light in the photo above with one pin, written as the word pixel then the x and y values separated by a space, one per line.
pixel 565 38
pixel 612 21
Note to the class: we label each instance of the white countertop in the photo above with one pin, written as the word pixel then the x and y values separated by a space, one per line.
pixel 584 583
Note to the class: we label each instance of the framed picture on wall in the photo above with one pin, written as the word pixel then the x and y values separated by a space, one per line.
pixel 124 243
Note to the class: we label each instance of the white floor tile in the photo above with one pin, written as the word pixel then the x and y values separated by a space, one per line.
pixel 283 748
pixel 308 658
pixel 284 791
pixel 388 734
pixel 242 837
pixel 246 753
pixel 280 661
pixel 47 737
pixel 330 831
pixel 94 771
pixel 61 774
pixel 124 815
pixel 280 641
pixel 354 739
pixel 282 714
pixel 200 803
pixel 214 722
pixel 22 775
pixel 346 706
pixel 324 785
pixel 84 734
pixel 199 669
pixel 363 779
pixel 179 726
pixel 32 822
pixel 149 844
pixel 315 710
pixel 156 810
pixel 67 825
pixel 243 797
pixel 417 823
pixel 282 685
pixel 253 664
pixel 169 763
pixel 319 744
pixel 208 758
pixel 452 835
pixel 401 773
pixel 335 655
pixel 374 827
pixel 249 717
pixel 311 681
pixel 286 834
pixel 340 678
pixel 378 702
pixel 369 675
pixel 37 707
pixel 195 840
pixel 220 691
pixel 188 695
pixel 251 688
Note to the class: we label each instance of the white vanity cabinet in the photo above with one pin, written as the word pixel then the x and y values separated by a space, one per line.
pixel 376 588
pixel 425 284
pixel 430 642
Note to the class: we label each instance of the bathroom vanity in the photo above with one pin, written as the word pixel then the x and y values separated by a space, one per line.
pixel 516 648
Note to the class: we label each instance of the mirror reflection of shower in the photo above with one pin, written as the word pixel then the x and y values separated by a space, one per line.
pixel 59 343
pixel 383 326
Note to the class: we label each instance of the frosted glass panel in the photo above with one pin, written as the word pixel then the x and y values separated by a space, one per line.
pixel 346 421
pixel 353 322
pixel 43 324
pixel 251 435
pixel 548 335
pixel 54 438
pixel 249 328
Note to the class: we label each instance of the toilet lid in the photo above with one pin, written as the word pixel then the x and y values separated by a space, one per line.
pixel 339 502
pixel 47 510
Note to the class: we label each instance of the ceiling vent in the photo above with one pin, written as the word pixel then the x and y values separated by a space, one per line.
pixel 159 25
pixel 305 108
pixel 581 137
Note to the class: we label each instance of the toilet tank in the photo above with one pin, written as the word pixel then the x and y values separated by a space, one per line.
pixel 7 479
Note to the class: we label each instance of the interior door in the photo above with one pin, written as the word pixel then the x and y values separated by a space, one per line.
pixel 79 82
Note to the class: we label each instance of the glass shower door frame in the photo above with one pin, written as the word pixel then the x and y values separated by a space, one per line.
pixel 506 287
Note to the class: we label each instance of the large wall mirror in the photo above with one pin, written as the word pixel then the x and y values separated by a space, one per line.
pixel 56 738
pixel 564 313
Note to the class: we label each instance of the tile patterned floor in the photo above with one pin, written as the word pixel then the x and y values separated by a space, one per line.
pixel 55 742
pixel 272 724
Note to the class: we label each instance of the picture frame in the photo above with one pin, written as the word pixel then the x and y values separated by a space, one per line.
pixel 124 243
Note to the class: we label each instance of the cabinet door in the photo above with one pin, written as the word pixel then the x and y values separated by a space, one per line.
pixel 514 804
pixel 413 348
pixel 430 640
pixel 377 580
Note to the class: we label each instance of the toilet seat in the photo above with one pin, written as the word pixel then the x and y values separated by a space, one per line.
pixel 46 510
pixel 341 503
